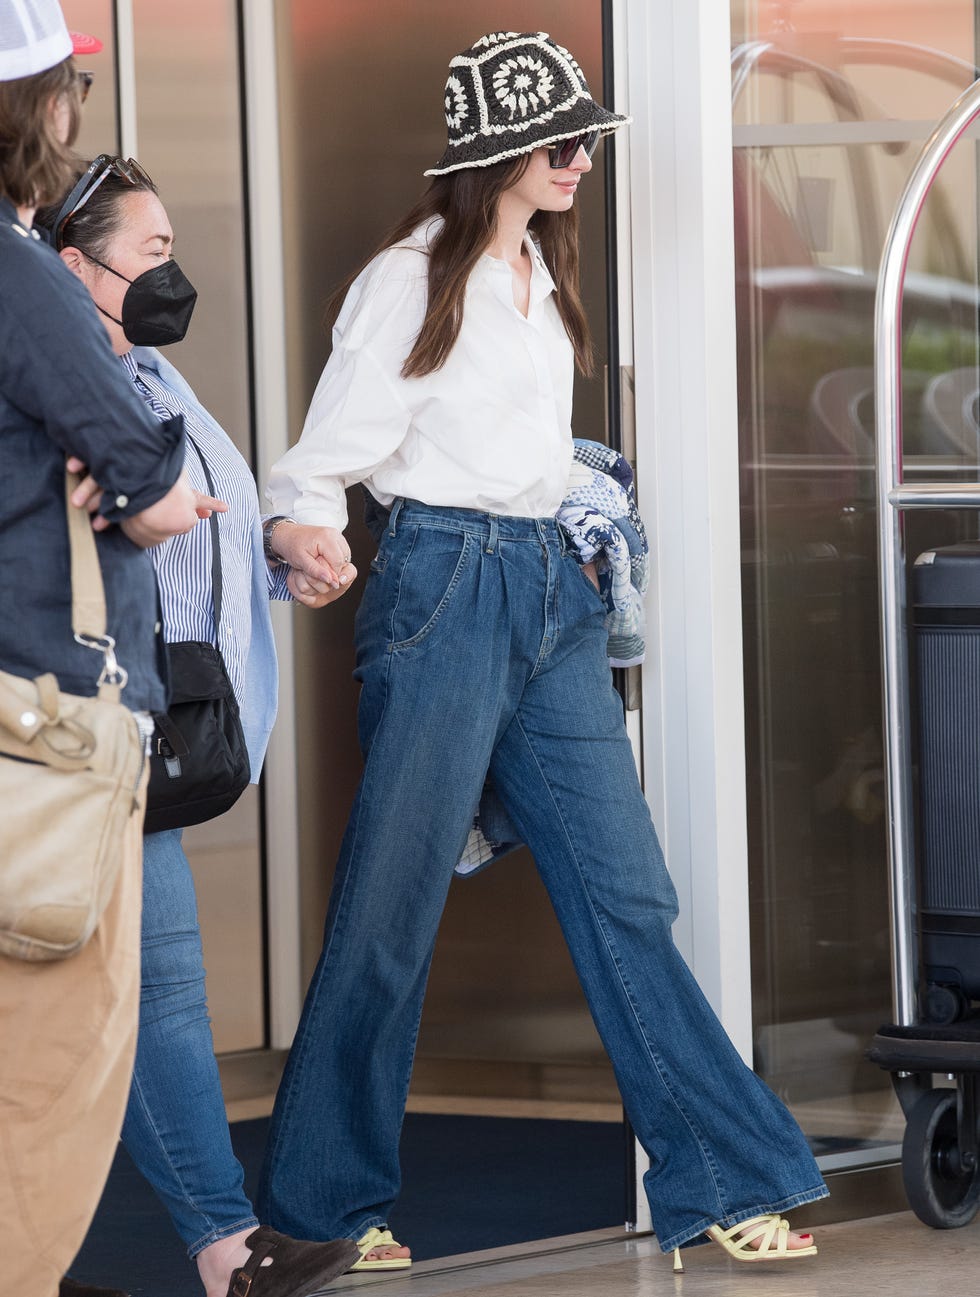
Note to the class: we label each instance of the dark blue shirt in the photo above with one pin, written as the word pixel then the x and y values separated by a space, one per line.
pixel 63 392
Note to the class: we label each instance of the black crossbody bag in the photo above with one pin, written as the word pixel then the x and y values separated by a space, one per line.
pixel 199 765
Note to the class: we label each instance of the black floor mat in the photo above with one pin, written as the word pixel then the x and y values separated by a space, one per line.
pixel 469 1183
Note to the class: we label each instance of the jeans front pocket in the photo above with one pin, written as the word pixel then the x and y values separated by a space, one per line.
pixel 430 576
pixel 582 588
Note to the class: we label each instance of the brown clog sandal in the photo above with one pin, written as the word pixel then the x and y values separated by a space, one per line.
pixel 298 1268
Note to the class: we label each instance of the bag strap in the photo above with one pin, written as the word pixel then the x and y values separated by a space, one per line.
pixel 88 614
pixel 215 545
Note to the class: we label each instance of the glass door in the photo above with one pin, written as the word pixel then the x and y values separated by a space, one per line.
pixel 505 1032
pixel 831 102
pixel 191 144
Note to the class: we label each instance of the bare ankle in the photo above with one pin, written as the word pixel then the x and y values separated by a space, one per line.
pixel 217 1262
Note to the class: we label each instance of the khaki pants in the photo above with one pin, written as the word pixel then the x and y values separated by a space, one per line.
pixel 67 1040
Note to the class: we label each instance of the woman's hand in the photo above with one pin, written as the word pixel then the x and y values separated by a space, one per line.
pixel 87 494
pixel 153 525
pixel 317 594
pixel 206 505
pixel 320 553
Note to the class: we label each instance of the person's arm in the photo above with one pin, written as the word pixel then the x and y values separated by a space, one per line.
pixel 360 412
pixel 57 366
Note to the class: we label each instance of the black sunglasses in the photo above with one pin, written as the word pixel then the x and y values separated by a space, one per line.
pixel 86 79
pixel 103 166
pixel 563 153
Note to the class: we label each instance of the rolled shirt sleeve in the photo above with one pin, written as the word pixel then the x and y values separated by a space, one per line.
pixel 62 393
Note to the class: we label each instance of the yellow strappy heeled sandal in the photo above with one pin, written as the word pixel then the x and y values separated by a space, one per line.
pixel 373 1240
pixel 770 1231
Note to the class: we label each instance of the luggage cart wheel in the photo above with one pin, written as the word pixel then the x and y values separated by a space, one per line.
pixel 944 1005
pixel 941 1191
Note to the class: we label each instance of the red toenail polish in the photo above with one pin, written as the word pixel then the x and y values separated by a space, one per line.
pixel 806 1236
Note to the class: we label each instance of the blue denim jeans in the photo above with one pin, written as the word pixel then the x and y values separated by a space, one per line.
pixel 175 1129
pixel 481 648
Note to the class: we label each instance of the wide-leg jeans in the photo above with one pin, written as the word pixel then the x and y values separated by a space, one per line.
pixel 481 649
pixel 175 1129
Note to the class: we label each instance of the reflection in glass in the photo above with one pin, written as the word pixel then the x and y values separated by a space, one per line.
pixel 98 133
pixel 831 103
pixel 189 120
pixel 189 133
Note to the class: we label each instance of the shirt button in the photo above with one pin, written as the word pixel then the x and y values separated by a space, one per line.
pixel 122 501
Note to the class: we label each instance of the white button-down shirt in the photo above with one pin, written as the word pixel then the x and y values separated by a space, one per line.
pixel 490 430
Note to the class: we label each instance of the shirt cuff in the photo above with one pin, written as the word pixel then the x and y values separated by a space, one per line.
pixel 277 582
pixel 118 503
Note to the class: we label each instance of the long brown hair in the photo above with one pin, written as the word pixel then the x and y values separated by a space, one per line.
pixel 467 202
pixel 35 166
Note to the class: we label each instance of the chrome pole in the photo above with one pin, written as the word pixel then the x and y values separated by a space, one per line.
pixel 936 495
pixel 892 498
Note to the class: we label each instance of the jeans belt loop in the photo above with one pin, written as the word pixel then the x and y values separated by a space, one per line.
pixel 396 509
pixel 494 530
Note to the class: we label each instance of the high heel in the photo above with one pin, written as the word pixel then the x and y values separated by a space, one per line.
pixel 771 1233
pixel 298 1268
pixel 678 1263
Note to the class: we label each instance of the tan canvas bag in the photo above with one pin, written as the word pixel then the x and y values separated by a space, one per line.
pixel 71 776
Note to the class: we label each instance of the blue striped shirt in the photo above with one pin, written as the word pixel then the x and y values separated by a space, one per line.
pixel 183 563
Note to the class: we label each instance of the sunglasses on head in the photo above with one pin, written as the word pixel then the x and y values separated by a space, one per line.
pixel 130 172
pixel 564 153
pixel 85 81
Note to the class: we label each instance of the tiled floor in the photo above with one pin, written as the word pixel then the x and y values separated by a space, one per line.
pixel 894 1255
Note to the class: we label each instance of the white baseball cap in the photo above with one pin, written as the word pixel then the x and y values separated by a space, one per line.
pixel 33 38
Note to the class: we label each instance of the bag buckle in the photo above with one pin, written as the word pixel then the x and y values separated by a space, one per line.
pixel 112 673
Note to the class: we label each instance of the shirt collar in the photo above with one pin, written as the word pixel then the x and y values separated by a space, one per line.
pixel 8 215
pixel 498 273
pixel 541 282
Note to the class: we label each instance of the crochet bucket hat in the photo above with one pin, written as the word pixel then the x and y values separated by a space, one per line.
pixel 512 92
pixel 33 38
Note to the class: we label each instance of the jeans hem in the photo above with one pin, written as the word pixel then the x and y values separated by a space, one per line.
pixel 226 1231
pixel 744 1213
pixel 371 1222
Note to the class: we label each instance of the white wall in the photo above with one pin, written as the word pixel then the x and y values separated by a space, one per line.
pixel 672 75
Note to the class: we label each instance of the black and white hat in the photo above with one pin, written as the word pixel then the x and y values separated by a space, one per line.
pixel 512 92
